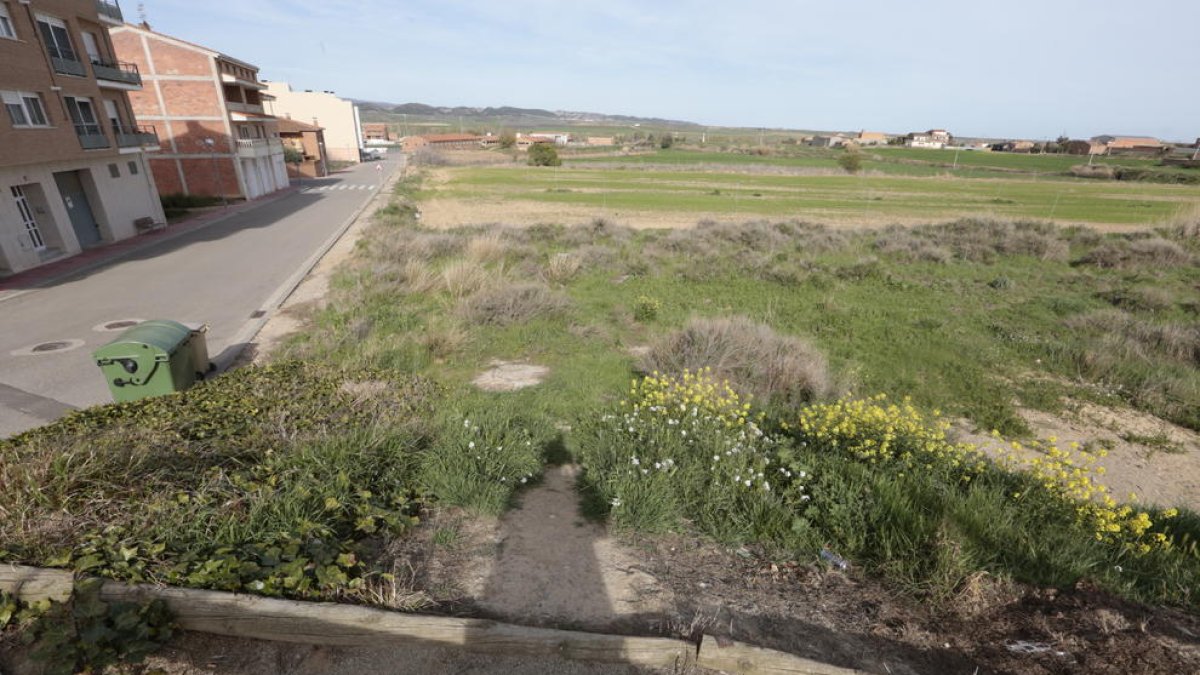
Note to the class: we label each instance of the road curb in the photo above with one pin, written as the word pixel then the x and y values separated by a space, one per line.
pixel 250 329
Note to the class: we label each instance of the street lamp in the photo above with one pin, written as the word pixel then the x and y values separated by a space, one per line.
pixel 212 147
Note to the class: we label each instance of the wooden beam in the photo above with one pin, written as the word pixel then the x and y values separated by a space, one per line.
pixel 32 584
pixel 326 623
pixel 737 657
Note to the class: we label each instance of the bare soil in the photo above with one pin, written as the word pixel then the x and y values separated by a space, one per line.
pixel 1150 458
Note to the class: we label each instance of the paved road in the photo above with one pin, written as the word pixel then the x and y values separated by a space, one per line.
pixel 221 275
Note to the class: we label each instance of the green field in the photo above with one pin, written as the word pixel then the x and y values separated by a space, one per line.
pixel 826 197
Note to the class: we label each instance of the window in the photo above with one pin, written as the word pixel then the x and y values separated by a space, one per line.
pixel 133 168
pixel 24 109
pixel 83 115
pixel 114 170
pixel 6 24
pixel 58 40
pixel 90 46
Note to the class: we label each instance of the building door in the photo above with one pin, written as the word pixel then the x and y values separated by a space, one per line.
pixel 87 230
pixel 27 218
pixel 110 108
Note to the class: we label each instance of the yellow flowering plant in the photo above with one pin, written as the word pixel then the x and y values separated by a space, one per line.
pixel 1070 475
pixel 877 431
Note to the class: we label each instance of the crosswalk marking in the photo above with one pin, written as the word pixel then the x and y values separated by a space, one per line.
pixel 339 186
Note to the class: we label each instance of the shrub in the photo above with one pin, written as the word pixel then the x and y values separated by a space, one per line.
pixel 480 458
pixel 461 278
pixel 981 240
pixel 778 369
pixel 646 308
pixel 685 448
pixel 486 248
pixel 874 431
pixel 1152 251
pixel 543 154
pixel 178 200
pixel 513 303
pixel 562 267
pixel 850 161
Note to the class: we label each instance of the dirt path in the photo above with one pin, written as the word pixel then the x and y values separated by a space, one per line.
pixel 557 569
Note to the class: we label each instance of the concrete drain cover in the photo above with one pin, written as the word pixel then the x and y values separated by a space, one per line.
pixel 506 376
pixel 52 347
pixel 119 324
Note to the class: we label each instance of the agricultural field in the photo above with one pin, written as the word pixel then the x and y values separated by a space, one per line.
pixel 680 187
pixel 916 440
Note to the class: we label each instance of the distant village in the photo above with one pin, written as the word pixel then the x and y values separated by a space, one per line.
pixel 1144 146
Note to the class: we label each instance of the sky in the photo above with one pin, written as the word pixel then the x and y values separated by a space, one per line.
pixel 1012 69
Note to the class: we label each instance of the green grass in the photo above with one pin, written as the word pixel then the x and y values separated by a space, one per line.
pixel 837 197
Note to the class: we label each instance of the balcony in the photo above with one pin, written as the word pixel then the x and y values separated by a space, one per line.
pixel 117 75
pixel 91 136
pixel 68 65
pixel 259 147
pixel 251 108
pixel 129 136
pixel 110 11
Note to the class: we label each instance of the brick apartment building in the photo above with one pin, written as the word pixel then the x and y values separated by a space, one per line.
pixel 73 169
pixel 207 108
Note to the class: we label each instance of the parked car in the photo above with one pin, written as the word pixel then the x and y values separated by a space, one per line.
pixel 370 154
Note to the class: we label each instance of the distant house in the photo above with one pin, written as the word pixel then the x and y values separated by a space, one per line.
pixel 1078 147
pixel 601 140
pixel 555 137
pixel 871 138
pixel 1130 145
pixel 834 141
pixel 377 131
pixel 1014 146
pixel 443 142
pixel 934 138
pixel 309 141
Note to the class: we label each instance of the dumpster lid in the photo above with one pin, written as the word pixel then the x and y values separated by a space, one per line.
pixel 160 335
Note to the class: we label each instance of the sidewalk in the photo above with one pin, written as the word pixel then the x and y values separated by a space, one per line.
pixel 25 282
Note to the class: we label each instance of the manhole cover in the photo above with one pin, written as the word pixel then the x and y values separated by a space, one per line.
pixel 50 347
pixel 117 324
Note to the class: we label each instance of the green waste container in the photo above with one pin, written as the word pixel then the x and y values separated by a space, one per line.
pixel 153 358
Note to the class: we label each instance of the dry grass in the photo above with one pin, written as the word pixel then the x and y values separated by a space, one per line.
pixel 487 248
pixel 512 303
pixel 562 267
pixel 461 278
pixel 984 239
pixel 1130 337
pixel 441 342
pixel 1149 251
pixel 778 369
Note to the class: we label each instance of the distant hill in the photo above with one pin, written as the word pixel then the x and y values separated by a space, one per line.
pixel 421 115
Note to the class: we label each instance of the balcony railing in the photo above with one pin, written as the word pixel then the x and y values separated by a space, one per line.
pixel 125 73
pixel 129 136
pixel 109 9
pixel 235 106
pixel 91 136
pixel 68 65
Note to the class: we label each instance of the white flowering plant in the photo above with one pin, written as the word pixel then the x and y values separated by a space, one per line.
pixel 480 458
